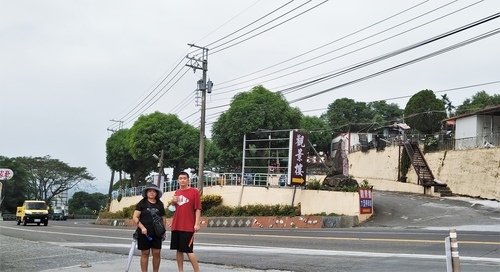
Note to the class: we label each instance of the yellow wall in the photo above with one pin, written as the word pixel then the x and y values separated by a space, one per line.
pixel 474 172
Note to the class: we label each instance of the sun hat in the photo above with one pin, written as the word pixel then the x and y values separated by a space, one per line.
pixel 154 187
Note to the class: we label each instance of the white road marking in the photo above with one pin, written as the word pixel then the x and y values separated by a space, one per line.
pixel 295 251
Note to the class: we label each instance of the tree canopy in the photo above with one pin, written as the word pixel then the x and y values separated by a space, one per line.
pixel 424 112
pixel 118 155
pixel 49 177
pixel 250 111
pixel 345 114
pixel 85 203
pixel 15 189
pixel 158 131
pixel 320 134
pixel 478 101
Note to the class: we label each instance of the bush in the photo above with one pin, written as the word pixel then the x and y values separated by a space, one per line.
pixel 210 201
pixel 212 206
pixel 313 185
pixel 220 210
pixel 126 212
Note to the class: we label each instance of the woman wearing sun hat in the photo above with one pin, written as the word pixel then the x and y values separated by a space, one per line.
pixel 149 206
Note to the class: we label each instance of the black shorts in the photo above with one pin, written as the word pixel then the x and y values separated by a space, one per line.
pixel 143 243
pixel 181 241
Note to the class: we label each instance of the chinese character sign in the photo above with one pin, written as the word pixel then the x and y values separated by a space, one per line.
pixel 299 146
pixel 365 201
pixel 6 174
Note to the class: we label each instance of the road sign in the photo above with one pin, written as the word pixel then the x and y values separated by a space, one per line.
pixel 6 174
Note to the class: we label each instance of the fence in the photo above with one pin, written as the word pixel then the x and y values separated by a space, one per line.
pixel 257 179
pixel 442 142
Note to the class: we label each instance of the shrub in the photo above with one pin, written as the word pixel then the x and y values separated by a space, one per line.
pixel 210 201
pixel 220 210
pixel 313 185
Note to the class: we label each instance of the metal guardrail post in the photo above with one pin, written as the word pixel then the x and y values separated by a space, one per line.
pixel 455 260
pixel 447 248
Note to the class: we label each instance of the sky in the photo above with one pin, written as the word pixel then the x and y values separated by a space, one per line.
pixel 72 72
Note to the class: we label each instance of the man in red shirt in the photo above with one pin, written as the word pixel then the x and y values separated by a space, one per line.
pixel 185 222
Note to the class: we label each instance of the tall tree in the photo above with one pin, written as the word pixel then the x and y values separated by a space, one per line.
pixel 158 131
pixel 424 112
pixel 49 177
pixel 320 134
pixel 118 154
pixel 84 203
pixel 384 113
pixel 480 100
pixel 345 114
pixel 15 189
pixel 250 111
pixel 447 104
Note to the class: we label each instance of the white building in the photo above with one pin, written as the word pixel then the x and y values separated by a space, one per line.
pixel 477 129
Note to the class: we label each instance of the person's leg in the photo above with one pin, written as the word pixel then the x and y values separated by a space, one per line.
pixel 156 259
pixel 180 261
pixel 194 262
pixel 144 260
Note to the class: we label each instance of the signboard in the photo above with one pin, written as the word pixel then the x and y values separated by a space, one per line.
pixel 299 145
pixel 365 201
pixel 6 174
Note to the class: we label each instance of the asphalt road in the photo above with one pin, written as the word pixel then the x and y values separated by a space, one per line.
pixel 406 234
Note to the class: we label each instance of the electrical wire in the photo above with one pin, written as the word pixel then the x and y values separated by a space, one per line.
pixel 350 44
pixel 433 54
pixel 266 30
pixel 324 45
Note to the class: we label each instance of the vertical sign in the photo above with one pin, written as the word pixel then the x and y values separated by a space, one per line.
pixel 365 201
pixel 299 146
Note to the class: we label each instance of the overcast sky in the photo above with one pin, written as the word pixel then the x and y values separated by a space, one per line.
pixel 69 67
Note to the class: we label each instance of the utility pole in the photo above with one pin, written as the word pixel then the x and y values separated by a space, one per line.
pixel 161 173
pixel 203 87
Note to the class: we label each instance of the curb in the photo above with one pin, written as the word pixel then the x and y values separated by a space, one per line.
pixel 280 222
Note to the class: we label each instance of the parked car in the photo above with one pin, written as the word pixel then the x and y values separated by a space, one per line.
pixel 8 216
pixel 59 216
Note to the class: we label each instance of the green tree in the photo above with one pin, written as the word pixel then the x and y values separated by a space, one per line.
pixel 158 131
pixel 320 134
pixel 448 105
pixel 424 112
pixel 250 111
pixel 213 155
pixel 15 189
pixel 118 155
pixel 478 101
pixel 383 113
pixel 345 114
pixel 84 203
pixel 49 177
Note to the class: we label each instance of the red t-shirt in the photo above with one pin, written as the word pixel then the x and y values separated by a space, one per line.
pixel 188 201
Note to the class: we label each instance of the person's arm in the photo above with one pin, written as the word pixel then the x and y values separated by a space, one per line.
pixel 135 218
pixel 197 220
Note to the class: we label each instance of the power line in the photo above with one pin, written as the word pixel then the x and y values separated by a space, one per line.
pixel 435 53
pixel 253 22
pixel 324 45
pixel 350 52
pixel 260 33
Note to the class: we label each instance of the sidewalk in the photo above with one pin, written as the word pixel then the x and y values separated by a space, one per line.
pixel 24 255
